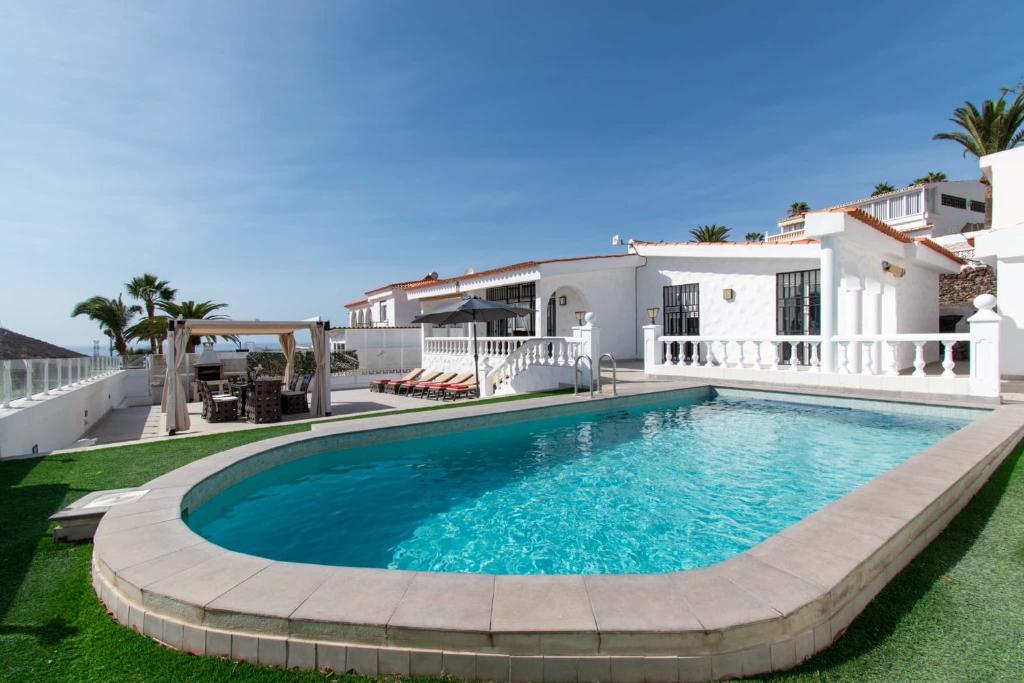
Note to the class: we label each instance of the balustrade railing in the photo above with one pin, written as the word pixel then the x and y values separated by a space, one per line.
pixel 888 354
pixel 28 378
pixel 545 352
pixel 495 348
pixel 780 352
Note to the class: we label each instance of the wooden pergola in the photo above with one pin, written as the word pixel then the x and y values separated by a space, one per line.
pixel 179 331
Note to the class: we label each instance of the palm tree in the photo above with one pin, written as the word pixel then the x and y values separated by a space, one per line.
pixel 995 128
pixel 191 310
pixel 932 177
pixel 710 233
pixel 754 237
pixel 798 208
pixel 882 188
pixel 148 289
pixel 113 317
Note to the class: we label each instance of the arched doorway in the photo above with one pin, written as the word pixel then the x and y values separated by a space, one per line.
pixel 560 313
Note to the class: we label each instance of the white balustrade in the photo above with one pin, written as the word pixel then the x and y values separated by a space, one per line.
pixel 741 353
pixel 543 353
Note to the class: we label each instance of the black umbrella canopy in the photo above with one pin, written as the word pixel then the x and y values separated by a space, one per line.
pixel 472 310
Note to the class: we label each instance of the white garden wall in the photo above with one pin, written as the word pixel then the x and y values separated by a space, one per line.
pixel 58 420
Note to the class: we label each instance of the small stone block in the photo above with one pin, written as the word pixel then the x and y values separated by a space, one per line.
pixel 272 651
pixel 362 660
pixel 135 618
pixel 244 648
pixel 757 660
pixel 627 669
pixel 560 670
pixel 728 665
pixel 804 645
pixel 393 662
pixel 153 626
pixel 174 634
pixel 784 655
pixel 425 663
pixel 302 655
pixel 193 640
pixel 661 670
pixel 526 669
pixel 694 669
pixel 121 611
pixel 594 670
pixel 492 668
pixel 459 665
pixel 330 657
pixel 822 636
pixel 218 643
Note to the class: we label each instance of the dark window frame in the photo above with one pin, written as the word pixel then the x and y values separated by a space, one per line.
pixel 953 201
pixel 524 295
pixel 798 309
pixel 977 207
pixel 681 317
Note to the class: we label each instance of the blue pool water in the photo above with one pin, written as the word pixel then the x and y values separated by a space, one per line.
pixel 658 487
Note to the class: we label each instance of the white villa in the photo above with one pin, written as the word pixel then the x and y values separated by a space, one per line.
pixel 950 212
pixel 386 306
pixel 716 308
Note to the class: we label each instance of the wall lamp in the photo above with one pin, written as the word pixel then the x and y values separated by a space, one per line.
pixel 652 313
pixel 728 294
pixel 893 269
pixel 579 317
pixel 561 301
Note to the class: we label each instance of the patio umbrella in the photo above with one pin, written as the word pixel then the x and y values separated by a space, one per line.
pixel 472 310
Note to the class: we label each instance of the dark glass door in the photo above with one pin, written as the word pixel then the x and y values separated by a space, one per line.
pixel 798 312
pixel 681 307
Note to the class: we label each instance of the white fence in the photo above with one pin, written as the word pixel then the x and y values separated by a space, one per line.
pixel 380 348
pixel 884 362
pixel 30 377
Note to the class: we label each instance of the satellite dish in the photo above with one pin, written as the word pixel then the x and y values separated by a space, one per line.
pixel 469 271
pixel 616 241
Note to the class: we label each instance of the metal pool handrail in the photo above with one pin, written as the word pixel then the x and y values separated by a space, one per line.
pixel 615 377
pixel 576 375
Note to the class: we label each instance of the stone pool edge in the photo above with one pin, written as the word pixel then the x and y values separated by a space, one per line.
pixel 766 609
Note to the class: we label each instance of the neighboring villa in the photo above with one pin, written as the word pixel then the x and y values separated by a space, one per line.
pixel 386 306
pixel 950 212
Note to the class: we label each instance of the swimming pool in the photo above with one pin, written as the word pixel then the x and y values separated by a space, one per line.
pixel 662 486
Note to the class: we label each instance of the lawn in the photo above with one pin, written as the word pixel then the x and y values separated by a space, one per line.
pixel 954 614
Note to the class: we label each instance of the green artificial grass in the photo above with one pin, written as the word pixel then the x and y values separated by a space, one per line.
pixel 954 614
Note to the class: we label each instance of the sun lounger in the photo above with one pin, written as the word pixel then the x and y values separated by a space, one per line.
pixel 436 389
pixel 404 385
pixel 421 387
pixel 455 391
pixel 381 385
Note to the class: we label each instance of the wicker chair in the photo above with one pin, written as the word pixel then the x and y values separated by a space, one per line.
pixel 263 401
pixel 218 407
pixel 294 400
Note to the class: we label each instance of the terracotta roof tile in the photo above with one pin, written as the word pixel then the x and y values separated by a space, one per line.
pixel 805 240
pixel 935 246
pixel 352 304
pixel 506 269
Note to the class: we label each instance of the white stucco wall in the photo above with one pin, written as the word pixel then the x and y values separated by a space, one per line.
pixel 753 308
pixel 608 294
pixel 58 420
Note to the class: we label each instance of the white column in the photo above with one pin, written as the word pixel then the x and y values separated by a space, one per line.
pixel 828 304
pixel 871 322
pixel 652 348
pixel 851 325
pixel 985 347
pixel 590 334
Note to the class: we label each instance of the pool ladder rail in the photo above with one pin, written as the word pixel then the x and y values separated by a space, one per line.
pixel 590 369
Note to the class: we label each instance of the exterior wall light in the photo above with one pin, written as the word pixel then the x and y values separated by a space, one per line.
pixel 893 269
pixel 652 313
pixel 728 294
pixel 579 317
pixel 561 301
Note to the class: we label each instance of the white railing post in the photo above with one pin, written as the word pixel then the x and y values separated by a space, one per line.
pixel 653 349
pixel 7 384
pixel 984 326
pixel 590 338
pixel 46 377
pixel 28 378
pixel 60 372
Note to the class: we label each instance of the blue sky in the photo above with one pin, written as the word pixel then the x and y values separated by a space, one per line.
pixel 284 158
